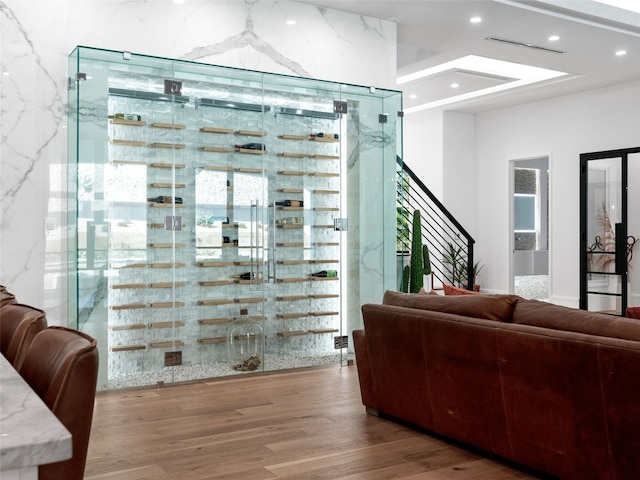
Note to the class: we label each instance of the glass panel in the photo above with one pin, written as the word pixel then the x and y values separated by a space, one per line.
pixel 604 210
pixel 208 198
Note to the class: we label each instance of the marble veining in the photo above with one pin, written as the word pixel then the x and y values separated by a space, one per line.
pixel 30 434
pixel 37 36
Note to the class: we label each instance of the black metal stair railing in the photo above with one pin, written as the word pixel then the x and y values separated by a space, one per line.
pixel 450 245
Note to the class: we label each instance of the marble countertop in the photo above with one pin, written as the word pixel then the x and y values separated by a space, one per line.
pixel 30 434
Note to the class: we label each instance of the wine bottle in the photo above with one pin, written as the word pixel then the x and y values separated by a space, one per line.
pixel 127 116
pixel 291 203
pixel 251 146
pixel 248 276
pixel 325 135
pixel 165 199
pixel 325 273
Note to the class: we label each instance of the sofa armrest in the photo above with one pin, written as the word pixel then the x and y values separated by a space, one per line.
pixel 364 370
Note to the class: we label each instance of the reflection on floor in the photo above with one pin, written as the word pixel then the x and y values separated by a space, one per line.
pixel 532 286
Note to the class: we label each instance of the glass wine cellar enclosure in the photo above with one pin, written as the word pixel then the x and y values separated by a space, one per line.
pixel 224 221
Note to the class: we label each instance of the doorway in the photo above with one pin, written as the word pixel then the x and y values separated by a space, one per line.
pixel 530 227
pixel 609 232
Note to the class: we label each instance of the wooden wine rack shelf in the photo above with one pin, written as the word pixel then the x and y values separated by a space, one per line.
pixel 289 316
pixel 291 298
pixel 322 279
pixel 324 330
pixel 291 190
pixel 323 314
pixel 166 324
pixel 131 123
pixel 212 340
pixel 293 137
pixel 128 143
pixel 292 280
pixel 128 306
pixel 215 283
pixel 251 133
pixel 127 348
pixel 293 333
pixel 168 166
pixel 166 245
pixel 165 205
pixel 220 301
pixel 215 321
pixel 129 326
pixel 249 300
pixel 250 151
pixel 169 126
pixel 170 146
pixel 123 286
pixel 290 244
pixel 327 192
pixel 319 296
pixel 171 344
pixel 217 168
pixel 223 131
pixel 167 185
pixel 167 265
pixel 216 149
pixel 127 162
pixel 167 284
pixel 166 304
pixel 215 264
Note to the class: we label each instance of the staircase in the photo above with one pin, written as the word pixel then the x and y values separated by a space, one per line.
pixel 450 245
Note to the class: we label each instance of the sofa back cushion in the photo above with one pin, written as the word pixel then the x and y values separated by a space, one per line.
pixel 489 307
pixel 557 317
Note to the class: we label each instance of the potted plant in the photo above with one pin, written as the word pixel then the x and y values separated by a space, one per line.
pixel 420 265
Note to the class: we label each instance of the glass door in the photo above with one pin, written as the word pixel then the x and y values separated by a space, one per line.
pixel 608 232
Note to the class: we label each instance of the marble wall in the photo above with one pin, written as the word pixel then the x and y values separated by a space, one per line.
pixel 37 37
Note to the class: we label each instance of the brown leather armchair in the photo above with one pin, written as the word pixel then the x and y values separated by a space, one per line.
pixel 6 297
pixel 62 368
pixel 19 324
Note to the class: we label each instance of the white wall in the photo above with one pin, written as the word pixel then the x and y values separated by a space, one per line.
pixel 37 37
pixel 423 147
pixel 562 128
pixel 472 154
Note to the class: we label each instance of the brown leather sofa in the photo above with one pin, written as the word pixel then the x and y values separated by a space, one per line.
pixel 550 387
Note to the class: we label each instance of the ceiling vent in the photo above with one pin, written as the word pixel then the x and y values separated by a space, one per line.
pixel 524 44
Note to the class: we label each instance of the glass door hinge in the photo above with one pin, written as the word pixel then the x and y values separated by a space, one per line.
pixel 173 222
pixel 340 224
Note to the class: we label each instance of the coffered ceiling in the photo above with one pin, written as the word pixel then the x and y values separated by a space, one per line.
pixel 447 61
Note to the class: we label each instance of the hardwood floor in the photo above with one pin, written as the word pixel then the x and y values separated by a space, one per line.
pixel 301 425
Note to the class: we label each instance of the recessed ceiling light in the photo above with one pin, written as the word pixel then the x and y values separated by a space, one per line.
pixel 6 73
pixel 455 85
pixel 554 38
pixel 475 19
pixel 291 22
pixel 620 53
pixel 413 96
pixel 179 2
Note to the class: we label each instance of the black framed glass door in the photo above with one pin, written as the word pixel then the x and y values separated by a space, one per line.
pixel 609 232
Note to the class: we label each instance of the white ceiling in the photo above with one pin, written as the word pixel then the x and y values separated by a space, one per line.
pixel 434 32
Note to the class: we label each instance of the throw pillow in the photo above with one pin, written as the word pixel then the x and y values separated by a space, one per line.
pixel 489 307
pixel 451 290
